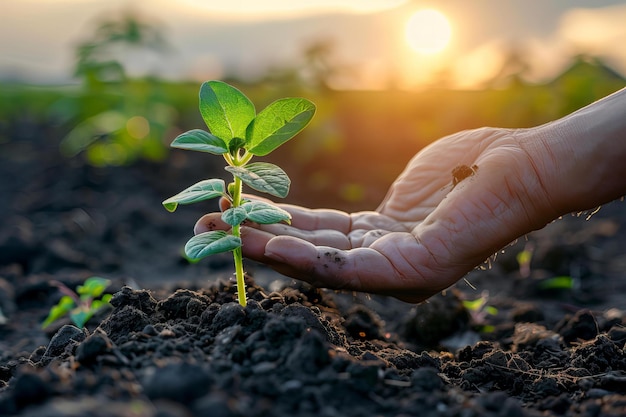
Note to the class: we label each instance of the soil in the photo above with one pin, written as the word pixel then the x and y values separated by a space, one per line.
pixel 175 342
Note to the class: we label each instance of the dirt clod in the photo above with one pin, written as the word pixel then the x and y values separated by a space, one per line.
pixel 182 346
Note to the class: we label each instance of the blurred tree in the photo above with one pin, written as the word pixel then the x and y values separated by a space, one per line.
pixel 319 63
pixel 118 119
pixel 316 69
pixel 96 60
pixel 513 70
pixel 587 79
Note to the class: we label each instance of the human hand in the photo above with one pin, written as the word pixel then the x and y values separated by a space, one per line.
pixel 430 230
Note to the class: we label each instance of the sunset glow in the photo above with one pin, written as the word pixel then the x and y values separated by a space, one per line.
pixel 254 9
pixel 372 43
pixel 428 31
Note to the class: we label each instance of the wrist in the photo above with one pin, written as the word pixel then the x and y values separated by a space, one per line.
pixel 580 158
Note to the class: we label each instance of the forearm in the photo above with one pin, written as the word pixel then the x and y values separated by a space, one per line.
pixel 582 157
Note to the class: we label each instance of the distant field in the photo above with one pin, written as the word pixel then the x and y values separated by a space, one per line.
pixel 339 158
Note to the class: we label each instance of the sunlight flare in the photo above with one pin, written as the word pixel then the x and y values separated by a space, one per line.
pixel 428 31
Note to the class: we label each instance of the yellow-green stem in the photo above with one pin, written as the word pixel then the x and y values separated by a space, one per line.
pixel 241 283
pixel 237 253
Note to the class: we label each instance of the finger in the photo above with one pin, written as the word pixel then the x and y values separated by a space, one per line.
pixel 365 238
pixel 224 204
pixel 314 219
pixel 365 229
pixel 324 237
pixel 210 222
pixel 304 218
pixel 254 242
pixel 213 221
pixel 361 269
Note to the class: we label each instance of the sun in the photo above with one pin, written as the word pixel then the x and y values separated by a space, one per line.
pixel 428 31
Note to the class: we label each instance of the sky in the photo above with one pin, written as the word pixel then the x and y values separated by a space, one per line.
pixel 211 38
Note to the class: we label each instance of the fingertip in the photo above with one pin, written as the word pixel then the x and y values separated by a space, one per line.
pixel 201 225
pixel 274 252
pixel 254 242
pixel 288 248
pixel 209 222
pixel 224 204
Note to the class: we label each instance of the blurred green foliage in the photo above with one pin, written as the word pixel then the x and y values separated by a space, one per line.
pixel 112 119
pixel 82 304
pixel 117 127
pixel 131 122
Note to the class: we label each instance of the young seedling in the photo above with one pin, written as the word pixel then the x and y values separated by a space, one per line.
pixel 238 133
pixel 524 259
pixel 82 304
pixel 559 283
pixel 479 310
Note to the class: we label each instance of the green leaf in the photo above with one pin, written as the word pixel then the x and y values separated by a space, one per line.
pixel 99 304
pixel 203 190
pixel 210 243
pixel 225 110
pixel 64 306
pixel 265 213
pixel 88 131
pixel 234 215
pixel 231 188
pixel 491 310
pixel 93 287
pixel 524 257
pixel 187 258
pixel 79 317
pixel 487 328
pixel 277 123
pixel 558 283
pixel 264 177
pixel 235 145
pixel 474 305
pixel 201 141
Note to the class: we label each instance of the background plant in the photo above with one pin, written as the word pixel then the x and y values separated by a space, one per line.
pixel 119 120
pixel 81 304
pixel 479 310
pixel 238 133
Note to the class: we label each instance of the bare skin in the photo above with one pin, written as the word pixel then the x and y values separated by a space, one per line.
pixel 434 226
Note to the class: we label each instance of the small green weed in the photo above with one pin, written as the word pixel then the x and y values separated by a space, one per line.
pixel 563 282
pixel 524 258
pixel 82 304
pixel 479 310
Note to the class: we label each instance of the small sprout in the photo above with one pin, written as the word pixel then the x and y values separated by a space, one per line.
pixel 238 133
pixel 479 310
pixel 82 304
pixel 524 258
pixel 557 283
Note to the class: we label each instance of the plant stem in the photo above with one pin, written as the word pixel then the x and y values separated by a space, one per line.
pixel 241 283
pixel 237 253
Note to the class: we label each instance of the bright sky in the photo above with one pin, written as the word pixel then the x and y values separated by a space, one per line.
pixel 255 9
pixel 380 41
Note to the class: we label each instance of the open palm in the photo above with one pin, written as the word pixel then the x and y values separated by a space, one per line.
pixel 430 230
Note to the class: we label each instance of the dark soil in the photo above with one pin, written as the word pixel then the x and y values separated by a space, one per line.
pixel 175 343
